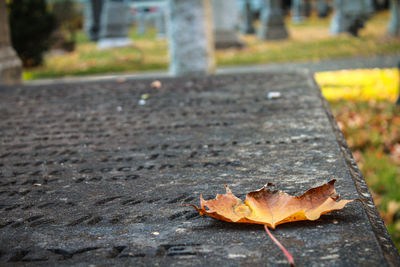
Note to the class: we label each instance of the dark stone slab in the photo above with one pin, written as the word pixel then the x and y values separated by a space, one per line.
pixel 89 176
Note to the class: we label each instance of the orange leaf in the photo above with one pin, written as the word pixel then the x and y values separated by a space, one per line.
pixel 265 206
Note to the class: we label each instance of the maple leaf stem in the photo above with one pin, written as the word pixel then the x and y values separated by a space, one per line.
pixel 287 254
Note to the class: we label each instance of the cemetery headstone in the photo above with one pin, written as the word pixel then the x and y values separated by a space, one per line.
pixel 272 21
pixel 297 15
pixel 10 64
pixel 247 16
pixel 306 8
pixel 191 37
pixel 93 177
pixel 161 22
pixel 225 18
pixel 394 22
pixel 92 14
pixel 350 16
pixel 151 17
pixel 141 21
pixel 322 8
pixel 114 25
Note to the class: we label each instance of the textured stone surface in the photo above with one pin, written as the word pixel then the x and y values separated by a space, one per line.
pixel 88 176
pixel 191 42
pixel 10 64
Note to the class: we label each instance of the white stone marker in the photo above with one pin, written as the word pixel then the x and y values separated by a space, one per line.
pixel 226 20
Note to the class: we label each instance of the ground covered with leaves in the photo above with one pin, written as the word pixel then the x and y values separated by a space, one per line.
pixel 363 104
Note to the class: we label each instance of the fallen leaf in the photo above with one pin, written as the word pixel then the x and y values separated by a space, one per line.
pixel 271 208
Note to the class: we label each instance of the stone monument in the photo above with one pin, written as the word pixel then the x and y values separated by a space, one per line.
pixel 141 21
pixel 225 18
pixel 191 37
pixel 114 24
pixel 306 8
pixel 10 64
pixel 350 16
pixel 161 22
pixel 297 15
pixel 247 16
pixel 92 14
pixel 272 21
pixel 322 9
pixel 394 23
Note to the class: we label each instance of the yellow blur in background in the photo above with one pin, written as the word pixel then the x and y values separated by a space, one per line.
pixel 360 85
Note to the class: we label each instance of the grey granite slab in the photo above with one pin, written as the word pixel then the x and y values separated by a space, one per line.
pixel 89 174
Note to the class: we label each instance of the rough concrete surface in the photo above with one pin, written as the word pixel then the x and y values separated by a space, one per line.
pixel 90 176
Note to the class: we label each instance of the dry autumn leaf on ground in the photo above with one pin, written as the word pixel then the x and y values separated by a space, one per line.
pixel 271 208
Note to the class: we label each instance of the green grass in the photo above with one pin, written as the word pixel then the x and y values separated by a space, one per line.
pixel 362 102
pixel 372 130
pixel 309 41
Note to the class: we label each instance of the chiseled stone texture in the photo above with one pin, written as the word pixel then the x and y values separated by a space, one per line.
pixel 191 42
pixel 90 176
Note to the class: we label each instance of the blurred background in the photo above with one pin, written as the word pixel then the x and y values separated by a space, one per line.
pixel 352 45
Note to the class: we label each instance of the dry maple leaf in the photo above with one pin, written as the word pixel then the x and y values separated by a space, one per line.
pixel 271 208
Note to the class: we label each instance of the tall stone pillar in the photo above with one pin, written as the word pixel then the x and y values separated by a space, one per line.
pixel 10 64
pixel 114 24
pixel 191 43
pixel 394 22
pixel 247 26
pixel 272 21
pixel 225 18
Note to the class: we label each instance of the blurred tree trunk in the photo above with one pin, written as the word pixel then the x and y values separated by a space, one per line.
pixel 10 64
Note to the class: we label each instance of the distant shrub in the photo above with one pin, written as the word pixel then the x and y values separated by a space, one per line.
pixel 31 26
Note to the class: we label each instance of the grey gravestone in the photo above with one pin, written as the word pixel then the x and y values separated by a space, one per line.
pixel 306 8
pixel 114 24
pixel 297 6
pixel 247 17
pixel 191 37
pixel 141 21
pixel 91 177
pixel 161 22
pixel 10 64
pixel 394 22
pixel 151 19
pixel 92 14
pixel 272 21
pixel 225 19
pixel 322 8
pixel 350 16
